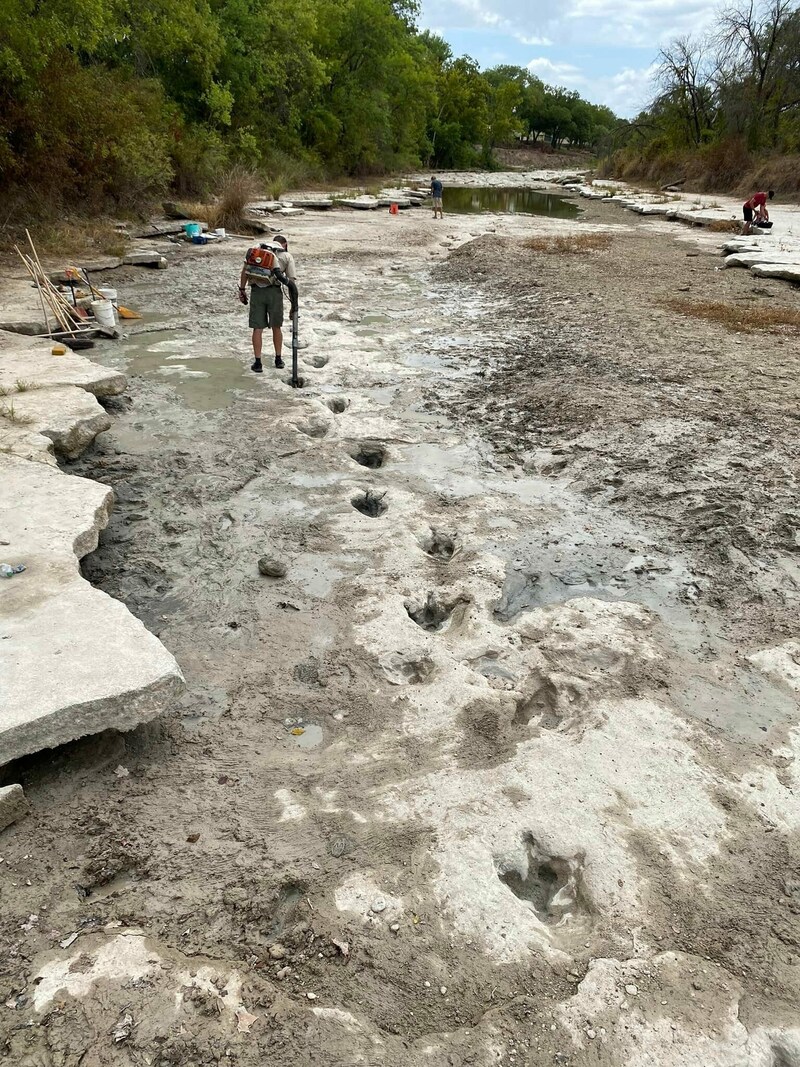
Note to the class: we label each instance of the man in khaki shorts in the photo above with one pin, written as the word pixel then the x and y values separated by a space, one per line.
pixel 266 303
pixel 436 192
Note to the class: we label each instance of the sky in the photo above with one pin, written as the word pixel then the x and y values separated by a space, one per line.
pixel 605 49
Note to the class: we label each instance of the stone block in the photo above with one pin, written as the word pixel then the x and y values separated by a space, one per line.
pixel 13 805
pixel 75 660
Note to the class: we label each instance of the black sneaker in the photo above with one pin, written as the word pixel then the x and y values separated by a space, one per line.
pixel 257 367
pixel 279 363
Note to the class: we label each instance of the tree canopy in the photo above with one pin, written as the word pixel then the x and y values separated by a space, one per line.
pixel 113 100
pixel 726 96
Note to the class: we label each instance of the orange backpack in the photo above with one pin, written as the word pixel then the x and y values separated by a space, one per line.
pixel 260 263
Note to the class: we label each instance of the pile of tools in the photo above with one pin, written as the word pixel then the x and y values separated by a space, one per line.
pixel 72 322
pixel 74 325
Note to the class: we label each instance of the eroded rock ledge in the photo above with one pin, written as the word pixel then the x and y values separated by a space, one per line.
pixel 74 660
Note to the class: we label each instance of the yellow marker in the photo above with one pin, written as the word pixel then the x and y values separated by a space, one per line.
pixel 59 350
pixel 297 731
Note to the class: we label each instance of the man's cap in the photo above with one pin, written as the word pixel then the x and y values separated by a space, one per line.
pixel 280 238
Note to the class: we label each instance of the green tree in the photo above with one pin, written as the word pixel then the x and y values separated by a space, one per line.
pixel 502 105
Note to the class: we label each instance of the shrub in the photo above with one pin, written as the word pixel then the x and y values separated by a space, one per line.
pixel 199 158
pixel 236 189
pixel 96 138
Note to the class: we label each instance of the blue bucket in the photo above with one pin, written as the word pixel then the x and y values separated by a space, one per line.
pixel 193 228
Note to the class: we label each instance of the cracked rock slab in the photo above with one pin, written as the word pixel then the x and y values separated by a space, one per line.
pixel 26 443
pixel 70 417
pixel 29 360
pixel 48 404
pixel 789 272
pixel 75 660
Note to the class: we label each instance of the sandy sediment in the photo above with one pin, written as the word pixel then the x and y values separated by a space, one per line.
pixel 502 770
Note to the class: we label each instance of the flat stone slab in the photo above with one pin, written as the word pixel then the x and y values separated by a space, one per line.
pixel 140 257
pixel 650 209
pixel 789 272
pixel 13 805
pixel 309 205
pixel 60 277
pixel 70 417
pixel 368 203
pixel 75 660
pixel 27 327
pixel 30 360
pixel 752 243
pixel 765 255
pixel 258 225
pixel 26 443
pixel 49 403
pixel 145 258
pixel 165 228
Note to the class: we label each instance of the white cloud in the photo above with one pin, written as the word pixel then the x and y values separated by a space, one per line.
pixel 629 91
pixel 480 14
pixel 635 23
pixel 619 23
pixel 556 73
pixel 626 92
pixel 587 37
pixel 535 42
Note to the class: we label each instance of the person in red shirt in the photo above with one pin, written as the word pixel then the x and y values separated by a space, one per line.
pixel 757 203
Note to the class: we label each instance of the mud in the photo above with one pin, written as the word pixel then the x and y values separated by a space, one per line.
pixel 493 753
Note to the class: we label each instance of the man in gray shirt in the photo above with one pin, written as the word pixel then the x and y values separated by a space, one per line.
pixel 266 302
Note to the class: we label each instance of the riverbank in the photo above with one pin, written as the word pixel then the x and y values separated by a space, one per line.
pixel 502 770
pixel 76 661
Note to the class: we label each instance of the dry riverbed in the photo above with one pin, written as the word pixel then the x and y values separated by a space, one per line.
pixel 503 771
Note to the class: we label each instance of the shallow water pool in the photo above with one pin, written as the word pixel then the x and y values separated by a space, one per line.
pixel 508 202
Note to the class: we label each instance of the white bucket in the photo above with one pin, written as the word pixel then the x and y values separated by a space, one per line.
pixel 108 294
pixel 103 311
pixel 220 232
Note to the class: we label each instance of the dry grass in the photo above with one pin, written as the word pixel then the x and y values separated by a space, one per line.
pixel 724 167
pixel 741 318
pixel 7 412
pixel 725 226
pixel 235 191
pixel 573 244
pixel 69 238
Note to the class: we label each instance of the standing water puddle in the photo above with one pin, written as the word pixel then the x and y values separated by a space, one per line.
pixel 508 202
pixel 205 383
pixel 306 734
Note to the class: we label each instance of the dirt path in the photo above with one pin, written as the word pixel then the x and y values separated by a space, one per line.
pixel 542 808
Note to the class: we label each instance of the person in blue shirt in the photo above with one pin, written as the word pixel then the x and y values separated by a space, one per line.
pixel 436 193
